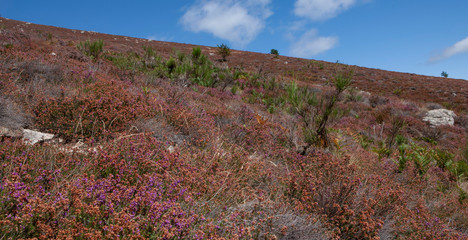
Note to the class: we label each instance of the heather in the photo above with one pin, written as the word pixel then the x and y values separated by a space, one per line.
pixel 161 143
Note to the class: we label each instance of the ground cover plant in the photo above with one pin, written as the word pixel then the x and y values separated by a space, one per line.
pixel 156 141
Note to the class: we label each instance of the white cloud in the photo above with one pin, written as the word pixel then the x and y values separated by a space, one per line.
pixel 457 48
pixel 310 44
pixel 238 22
pixel 321 9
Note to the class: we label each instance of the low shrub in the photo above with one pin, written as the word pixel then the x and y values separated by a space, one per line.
pixel 106 108
pixel 376 100
pixel 35 71
pixel 328 186
pixel 11 114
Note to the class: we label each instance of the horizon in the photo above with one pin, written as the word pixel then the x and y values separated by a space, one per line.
pixel 410 38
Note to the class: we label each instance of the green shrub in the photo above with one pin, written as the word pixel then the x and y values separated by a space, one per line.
pixel 224 51
pixel 91 49
pixel 274 52
pixel 196 54
pixel 150 57
pixel 234 89
pixel 171 65
pixel 129 61
pixel 444 74
pixel 180 56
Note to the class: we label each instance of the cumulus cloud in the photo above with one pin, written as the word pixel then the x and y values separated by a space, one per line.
pixel 457 48
pixel 318 10
pixel 238 22
pixel 310 44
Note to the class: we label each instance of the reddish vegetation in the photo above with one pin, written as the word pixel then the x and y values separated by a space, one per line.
pixel 148 154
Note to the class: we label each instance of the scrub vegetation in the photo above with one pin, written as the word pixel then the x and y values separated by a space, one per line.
pixel 154 144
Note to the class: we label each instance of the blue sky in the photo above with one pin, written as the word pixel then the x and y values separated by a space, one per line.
pixel 419 36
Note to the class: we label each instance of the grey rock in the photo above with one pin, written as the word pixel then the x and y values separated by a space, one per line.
pixel 439 117
pixel 33 137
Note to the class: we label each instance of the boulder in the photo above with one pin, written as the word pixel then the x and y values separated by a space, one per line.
pixel 438 117
pixel 33 137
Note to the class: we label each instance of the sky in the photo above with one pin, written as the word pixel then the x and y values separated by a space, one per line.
pixel 415 36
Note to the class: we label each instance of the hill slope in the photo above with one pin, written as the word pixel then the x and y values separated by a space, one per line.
pixel 163 140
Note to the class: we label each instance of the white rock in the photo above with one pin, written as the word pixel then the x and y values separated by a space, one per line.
pixel 32 137
pixel 438 117
pixel 53 54
pixel 171 149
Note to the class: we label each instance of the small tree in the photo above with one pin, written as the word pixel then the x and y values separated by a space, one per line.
pixel 444 74
pixel 341 82
pixel 224 51
pixel 316 113
pixel 274 52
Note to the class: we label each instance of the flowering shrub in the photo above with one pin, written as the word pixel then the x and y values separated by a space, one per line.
pixel 188 149
pixel 128 192
pixel 104 109
pixel 329 187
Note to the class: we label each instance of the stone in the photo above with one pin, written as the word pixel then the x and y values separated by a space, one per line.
pixel 439 117
pixel 32 137
pixel 171 149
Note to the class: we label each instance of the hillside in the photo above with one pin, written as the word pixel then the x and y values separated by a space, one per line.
pixel 159 140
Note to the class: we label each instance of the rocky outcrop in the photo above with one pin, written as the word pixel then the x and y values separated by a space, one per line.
pixel 439 117
pixel 33 137
pixel 29 136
